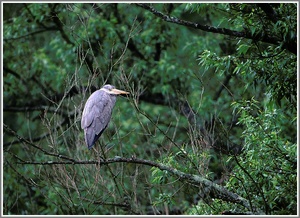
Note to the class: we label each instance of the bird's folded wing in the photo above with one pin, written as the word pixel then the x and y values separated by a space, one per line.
pixel 96 113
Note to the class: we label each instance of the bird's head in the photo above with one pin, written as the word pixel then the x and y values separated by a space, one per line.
pixel 110 89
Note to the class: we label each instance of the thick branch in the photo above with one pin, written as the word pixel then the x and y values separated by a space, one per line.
pixel 131 45
pixel 218 191
pixel 206 28
pixel 224 31
pixel 59 25
pixel 269 11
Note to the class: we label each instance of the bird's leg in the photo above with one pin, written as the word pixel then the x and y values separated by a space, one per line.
pixel 100 156
pixel 102 152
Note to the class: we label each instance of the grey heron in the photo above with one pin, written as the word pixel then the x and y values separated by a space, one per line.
pixel 97 112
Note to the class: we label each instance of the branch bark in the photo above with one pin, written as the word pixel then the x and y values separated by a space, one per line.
pixel 292 47
pixel 219 191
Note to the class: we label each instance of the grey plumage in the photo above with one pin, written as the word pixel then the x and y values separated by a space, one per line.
pixel 97 113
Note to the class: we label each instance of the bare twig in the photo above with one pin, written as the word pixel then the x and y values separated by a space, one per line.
pixel 9 130
pixel 27 109
pixel 218 191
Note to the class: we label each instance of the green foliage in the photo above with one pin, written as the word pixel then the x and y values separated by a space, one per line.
pixel 183 83
pixel 267 168
pixel 271 64
pixel 212 207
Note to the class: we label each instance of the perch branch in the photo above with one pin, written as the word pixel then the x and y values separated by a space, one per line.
pixel 217 190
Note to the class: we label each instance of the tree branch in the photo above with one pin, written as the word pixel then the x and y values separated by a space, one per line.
pixel 32 140
pixel 292 47
pixel 218 191
pixel 131 46
pixel 59 25
pixel 121 204
pixel 258 188
pixel 52 28
pixel 223 86
pixel 27 109
pixel 269 11
pixel 206 28
pixel 10 131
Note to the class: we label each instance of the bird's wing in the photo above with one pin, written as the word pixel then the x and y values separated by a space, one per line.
pixel 97 113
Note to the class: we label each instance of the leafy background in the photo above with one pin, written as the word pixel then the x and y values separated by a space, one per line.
pixel 215 105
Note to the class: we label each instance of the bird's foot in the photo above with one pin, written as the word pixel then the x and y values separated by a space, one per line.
pixel 102 159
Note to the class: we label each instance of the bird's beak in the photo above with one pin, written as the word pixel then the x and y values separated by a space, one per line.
pixel 118 92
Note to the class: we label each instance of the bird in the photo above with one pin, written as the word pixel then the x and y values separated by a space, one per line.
pixel 97 112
